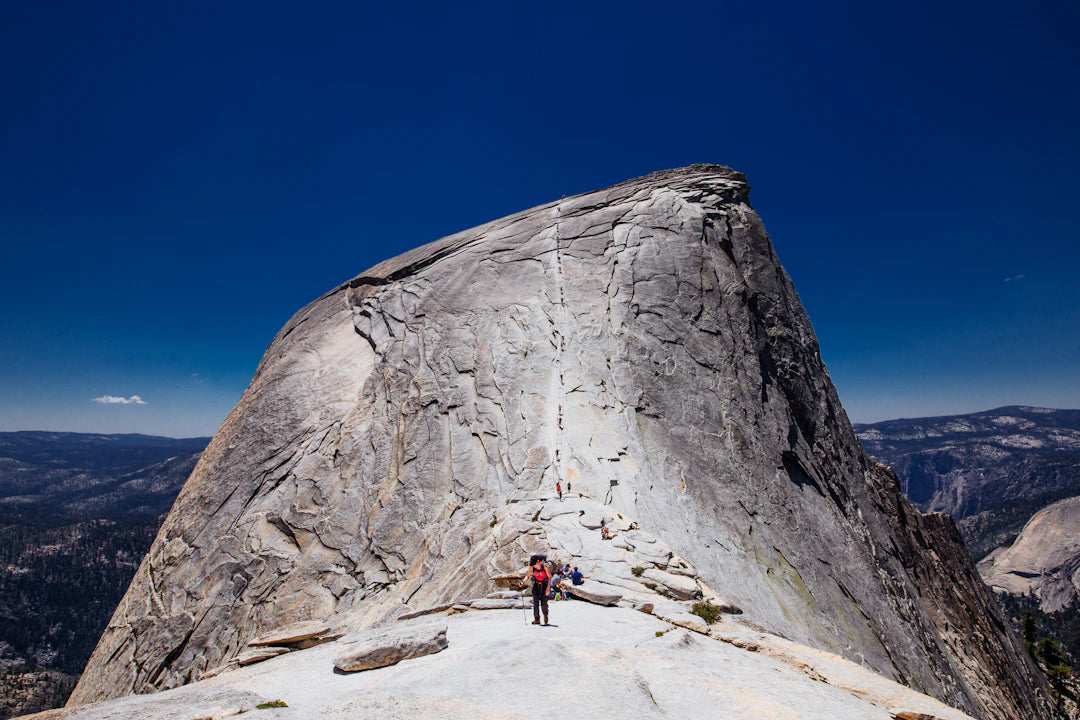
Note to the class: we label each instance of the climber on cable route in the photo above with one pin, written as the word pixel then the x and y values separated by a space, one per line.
pixel 540 575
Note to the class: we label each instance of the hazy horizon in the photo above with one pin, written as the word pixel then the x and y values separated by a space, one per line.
pixel 210 435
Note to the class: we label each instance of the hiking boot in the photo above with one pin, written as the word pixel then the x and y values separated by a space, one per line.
pixel 545 620
pixel 535 622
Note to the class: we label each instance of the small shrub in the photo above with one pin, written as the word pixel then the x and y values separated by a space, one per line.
pixel 271 704
pixel 637 571
pixel 706 611
pixel 536 516
pixel 1057 675
pixel 494 520
pixel 662 591
pixel 659 633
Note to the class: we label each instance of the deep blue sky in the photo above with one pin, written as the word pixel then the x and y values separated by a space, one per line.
pixel 179 178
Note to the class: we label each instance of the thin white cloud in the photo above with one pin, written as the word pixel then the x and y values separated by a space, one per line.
pixel 1014 278
pixel 113 400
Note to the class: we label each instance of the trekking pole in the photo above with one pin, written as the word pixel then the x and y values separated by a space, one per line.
pixel 524 612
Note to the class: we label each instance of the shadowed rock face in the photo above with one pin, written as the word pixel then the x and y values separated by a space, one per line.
pixel 401 440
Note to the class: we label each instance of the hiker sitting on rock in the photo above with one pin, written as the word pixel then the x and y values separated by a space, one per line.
pixel 605 533
pixel 576 577
pixel 558 592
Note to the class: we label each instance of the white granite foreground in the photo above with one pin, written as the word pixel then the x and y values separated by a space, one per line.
pixel 602 662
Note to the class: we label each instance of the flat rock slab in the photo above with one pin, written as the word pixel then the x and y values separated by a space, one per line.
pixel 388 646
pixel 496 603
pixel 188 702
pixel 429 610
pixel 595 592
pixel 905 714
pixel 291 634
pixel 250 657
pixel 680 586
pixel 679 615
pixel 505 594
pixel 724 605
pixel 509 580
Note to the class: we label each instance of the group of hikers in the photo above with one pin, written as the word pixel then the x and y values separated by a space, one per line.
pixel 547 583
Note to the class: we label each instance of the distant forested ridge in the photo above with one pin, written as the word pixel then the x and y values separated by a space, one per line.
pixel 77 514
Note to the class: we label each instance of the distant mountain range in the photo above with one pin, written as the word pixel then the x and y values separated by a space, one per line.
pixel 77 514
pixel 990 470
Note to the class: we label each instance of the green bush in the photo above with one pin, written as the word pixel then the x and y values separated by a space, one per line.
pixel 271 704
pixel 637 571
pixel 662 591
pixel 706 611
pixel 659 633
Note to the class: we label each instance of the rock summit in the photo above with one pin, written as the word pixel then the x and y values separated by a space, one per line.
pixel 400 446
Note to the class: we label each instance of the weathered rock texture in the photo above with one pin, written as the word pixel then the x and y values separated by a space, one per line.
pixel 1044 560
pixel 400 443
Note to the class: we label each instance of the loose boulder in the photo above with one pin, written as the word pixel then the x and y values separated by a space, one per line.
pixel 596 592
pixel 388 646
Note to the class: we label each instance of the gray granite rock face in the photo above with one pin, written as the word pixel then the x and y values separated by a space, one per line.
pixel 1044 559
pixel 400 444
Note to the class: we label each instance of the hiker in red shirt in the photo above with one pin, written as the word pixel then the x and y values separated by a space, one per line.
pixel 541 583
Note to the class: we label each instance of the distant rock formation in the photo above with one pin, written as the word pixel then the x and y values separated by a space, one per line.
pixel 1044 560
pixel 990 470
pixel 400 445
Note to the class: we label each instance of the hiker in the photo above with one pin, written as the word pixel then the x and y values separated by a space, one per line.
pixel 605 533
pixel 558 590
pixel 558 489
pixel 567 487
pixel 576 577
pixel 541 583
pixel 633 526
